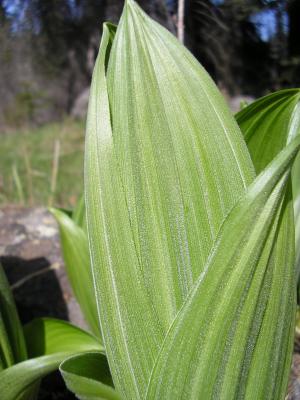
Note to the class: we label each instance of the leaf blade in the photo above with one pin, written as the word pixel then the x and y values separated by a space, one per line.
pixel 11 338
pixel 268 125
pixel 50 342
pixel 88 377
pixel 142 214
pixel 75 249
pixel 211 324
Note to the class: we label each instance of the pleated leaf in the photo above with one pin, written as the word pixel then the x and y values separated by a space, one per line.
pixel 268 125
pixel 88 377
pixel 233 337
pixel 124 309
pixel 76 256
pixel 50 342
pixel 165 162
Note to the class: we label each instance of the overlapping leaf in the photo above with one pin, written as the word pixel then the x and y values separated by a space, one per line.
pixel 156 194
pixel 233 336
pixel 50 342
pixel 268 125
pixel 249 355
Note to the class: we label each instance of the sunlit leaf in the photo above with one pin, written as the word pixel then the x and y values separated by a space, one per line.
pixel 156 194
pixel 233 337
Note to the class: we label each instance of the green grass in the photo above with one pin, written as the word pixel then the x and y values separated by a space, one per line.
pixel 27 174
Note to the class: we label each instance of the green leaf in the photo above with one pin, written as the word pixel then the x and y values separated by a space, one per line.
pixel 233 337
pixel 268 125
pixel 296 194
pixel 77 262
pixel 156 195
pixel 12 343
pixel 50 341
pixel 31 393
pixel 46 336
pixel 78 214
pixel 88 376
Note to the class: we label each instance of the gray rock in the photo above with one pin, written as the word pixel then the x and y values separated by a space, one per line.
pixel 237 102
pixel 79 109
pixel 31 256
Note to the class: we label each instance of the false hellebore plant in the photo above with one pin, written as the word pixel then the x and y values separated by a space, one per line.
pixel 191 233
pixel 190 227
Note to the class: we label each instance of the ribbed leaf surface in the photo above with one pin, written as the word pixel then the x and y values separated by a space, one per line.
pixel 234 334
pixel 169 123
pixel 165 162
pixel 268 125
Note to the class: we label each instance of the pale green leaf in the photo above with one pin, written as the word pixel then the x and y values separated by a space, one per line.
pixel 88 376
pixel 156 194
pixel 50 342
pixel 233 337
pixel 77 262
pixel 118 303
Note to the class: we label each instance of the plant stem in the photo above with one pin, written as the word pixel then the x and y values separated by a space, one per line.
pixel 55 166
pixel 18 184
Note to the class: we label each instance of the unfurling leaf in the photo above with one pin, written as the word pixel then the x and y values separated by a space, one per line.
pixel 192 257
pixel 88 376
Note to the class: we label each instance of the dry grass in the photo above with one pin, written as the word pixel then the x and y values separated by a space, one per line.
pixel 34 172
